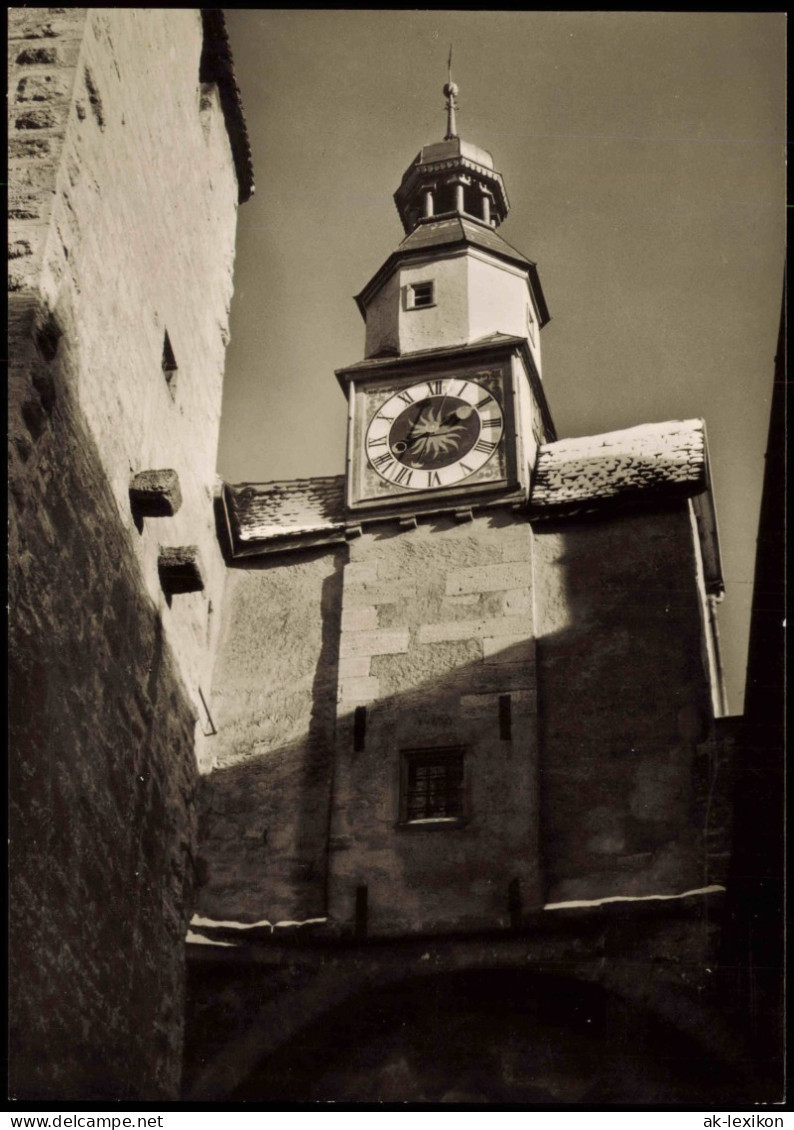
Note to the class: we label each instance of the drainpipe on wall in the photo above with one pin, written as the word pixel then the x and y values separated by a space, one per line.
pixel 719 675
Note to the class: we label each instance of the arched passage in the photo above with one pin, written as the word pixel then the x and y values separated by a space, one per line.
pixel 490 1036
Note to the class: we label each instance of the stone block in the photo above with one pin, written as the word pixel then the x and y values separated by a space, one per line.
pixel 27 148
pixel 19 248
pixel 466 598
pixel 358 690
pixel 179 568
pixel 359 619
pixel 37 118
pixel 475 629
pixel 361 572
pixel 44 23
pixel 386 642
pixel 354 666
pixel 41 88
pixel 517 602
pixel 37 56
pixel 357 596
pixel 488 578
pixel 155 494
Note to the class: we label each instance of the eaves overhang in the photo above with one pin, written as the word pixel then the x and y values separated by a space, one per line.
pixel 217 66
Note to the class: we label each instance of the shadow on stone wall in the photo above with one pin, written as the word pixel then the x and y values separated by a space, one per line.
pixel 488 1035
pixel 628 794
pixel 498 1037
pixel 102 771
pixel 264 821
pixel 628 785
pixel 630 803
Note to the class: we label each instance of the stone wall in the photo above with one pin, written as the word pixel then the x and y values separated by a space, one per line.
pixel 123 204
pixel 565 660
pixel 624 706
pixel 102 770
pixel 265 804
pixel 437 626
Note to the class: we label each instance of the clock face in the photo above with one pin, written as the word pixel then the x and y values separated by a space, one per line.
pixel 434 434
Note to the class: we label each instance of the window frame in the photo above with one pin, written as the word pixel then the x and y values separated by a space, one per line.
pixel 429 756
pixel 410 295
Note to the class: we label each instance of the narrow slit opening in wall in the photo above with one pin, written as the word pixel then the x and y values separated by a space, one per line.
pixel 169 364
pixel 359 729
pixel 505 717
pixel 361 912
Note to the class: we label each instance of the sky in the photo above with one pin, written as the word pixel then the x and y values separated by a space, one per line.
pixel 643 155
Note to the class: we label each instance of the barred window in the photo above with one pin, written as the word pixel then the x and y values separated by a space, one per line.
pixel 432 785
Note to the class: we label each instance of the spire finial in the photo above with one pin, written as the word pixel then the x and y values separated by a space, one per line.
pixel 450 93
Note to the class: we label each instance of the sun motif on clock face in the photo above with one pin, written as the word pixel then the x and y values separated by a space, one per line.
pixel 434 434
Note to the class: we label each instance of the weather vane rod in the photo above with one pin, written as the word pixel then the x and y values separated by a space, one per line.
pixel 451 94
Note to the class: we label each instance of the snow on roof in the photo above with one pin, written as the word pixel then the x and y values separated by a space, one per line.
pixel 308 509
pixel 572 476
pixel 592 469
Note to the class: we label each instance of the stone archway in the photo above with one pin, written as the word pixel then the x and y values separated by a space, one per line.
pixel 491 1037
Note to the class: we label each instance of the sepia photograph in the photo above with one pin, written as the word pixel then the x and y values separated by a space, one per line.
pixel 396 559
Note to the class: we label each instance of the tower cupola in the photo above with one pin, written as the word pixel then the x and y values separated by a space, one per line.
pixel 453 280
pixel 451 177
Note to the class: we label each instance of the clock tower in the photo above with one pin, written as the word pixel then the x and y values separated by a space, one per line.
pixel 447 409
pixel 435 810
pixel 467 679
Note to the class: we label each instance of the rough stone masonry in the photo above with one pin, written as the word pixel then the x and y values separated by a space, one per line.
pixel 123 196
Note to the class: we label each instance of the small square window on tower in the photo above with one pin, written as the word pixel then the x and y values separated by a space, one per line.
pixel 431 785
pixel 419 295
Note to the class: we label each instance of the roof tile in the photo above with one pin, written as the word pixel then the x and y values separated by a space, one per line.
pixel 593 469
pixel 290 508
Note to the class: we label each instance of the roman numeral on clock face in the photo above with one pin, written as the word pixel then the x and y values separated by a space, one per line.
pixel 481 403
pixel 484 446
pixel 377 442
pixel 492 422
pixel 405 397
pixel 433 479
pixel 403 476
pixel 382 462
pixel 435 387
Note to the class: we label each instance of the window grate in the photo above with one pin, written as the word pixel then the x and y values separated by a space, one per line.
pixel 433 785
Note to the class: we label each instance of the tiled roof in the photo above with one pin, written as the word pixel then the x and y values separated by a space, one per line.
pixel 593 469
pixel 454 231
pixel 572 476
pixel 310 510
pixel 457 229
